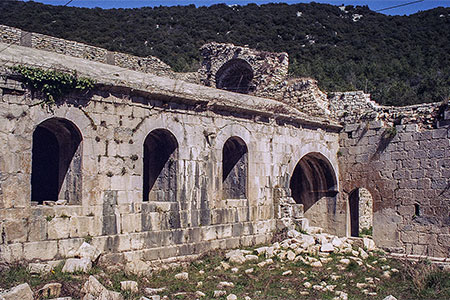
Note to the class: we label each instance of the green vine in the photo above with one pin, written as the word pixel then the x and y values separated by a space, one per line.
pixel 53 85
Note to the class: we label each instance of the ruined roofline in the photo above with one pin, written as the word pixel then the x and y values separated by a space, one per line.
pixel 161 87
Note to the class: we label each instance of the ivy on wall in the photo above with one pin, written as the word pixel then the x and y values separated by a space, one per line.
pixel 53 85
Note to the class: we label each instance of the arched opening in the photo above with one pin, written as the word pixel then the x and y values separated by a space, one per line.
pixel 234 169
pixel 56 162
pixel 361 212
pixel 235 75
pixel 313 179
pixel 160 166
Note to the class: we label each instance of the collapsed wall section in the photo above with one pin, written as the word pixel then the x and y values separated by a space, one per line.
pixel 401 155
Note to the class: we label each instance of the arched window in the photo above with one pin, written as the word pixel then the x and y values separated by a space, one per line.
pixel 313 179
pixel 361 211
pixel 234 168
pixel 160 166
pixel 235 75
pixel 56 162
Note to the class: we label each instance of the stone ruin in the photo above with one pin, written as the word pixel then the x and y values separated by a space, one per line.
pixel 153 166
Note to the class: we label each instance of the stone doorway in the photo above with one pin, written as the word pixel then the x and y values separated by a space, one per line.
pixel 361 212
pixel 56 162
pixel 160 166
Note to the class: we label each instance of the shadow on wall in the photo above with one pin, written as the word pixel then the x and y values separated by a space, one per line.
pixel 56 162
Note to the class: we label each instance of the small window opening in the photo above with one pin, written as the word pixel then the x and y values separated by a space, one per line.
pixel 56 162
pixel 417 210
pixel 160 166
pixel 234 168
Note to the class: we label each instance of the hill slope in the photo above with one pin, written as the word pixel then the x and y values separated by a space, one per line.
pixel 399 59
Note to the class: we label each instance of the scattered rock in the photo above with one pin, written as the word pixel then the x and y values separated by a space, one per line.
pixel 251 257
pixel 345 261
pixel 39 268
pixel 225 284
pixel 151 291
pixel 390 297
pixel 286 273
pixel 182 276
pixel 88 251
pixel 249 271
pixel 234 270
pixel 231 297
pixel 77 265
pixel 130 286
pixel 307 285
pixel 218 294
pixel 369 244
pixel 290 255
pixel 316 264
pixel 50 290
pixel 22 292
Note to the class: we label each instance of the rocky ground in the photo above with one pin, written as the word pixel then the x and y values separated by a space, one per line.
pixel 295 266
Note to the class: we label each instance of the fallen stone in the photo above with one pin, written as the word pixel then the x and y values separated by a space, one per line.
pixel 287 273
pixel 182 276
pixel 110 295
pixel 225 265
pixel 92 287
pixel 88 251
pixel 130 286
pixel 22 292
pixel 307 240
pixel 50 290
pixel 249 271
pixel 234 270
pixel 152 291
pixel 345 261
pixel 231 297
pixel 225 284
pixel 390 297
pixel 290 255
pixel 316 264
pixel 337 242
pixel 261 250
pixel 77 265
pixel 218 294
pixel 251 257
pixel 369 244
pixel 363 253
pixel 307 285
pixel 200 294
pixel 39 268
pixel 328 247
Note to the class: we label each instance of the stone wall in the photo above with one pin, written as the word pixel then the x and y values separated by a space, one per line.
pixel 401 156
pixel 365 209
pixel 114 121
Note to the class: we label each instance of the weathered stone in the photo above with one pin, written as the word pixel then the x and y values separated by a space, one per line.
pixel 182 276
pixel 50 290
pixel 88 251
pixel 77 265
pixel 22 292
pixel 130 286
pixel 328 247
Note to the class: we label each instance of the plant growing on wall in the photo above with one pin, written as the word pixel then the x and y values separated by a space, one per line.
pixel 52 84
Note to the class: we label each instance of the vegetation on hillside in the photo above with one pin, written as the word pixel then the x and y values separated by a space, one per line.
pixel 400 60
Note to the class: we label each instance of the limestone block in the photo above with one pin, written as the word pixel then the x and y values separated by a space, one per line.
pixel 130 286
pixel 22 292
pixel 77 264
pixel 69 247
pixel 44 250
pixel 39 268
pixel 58 228
pixel 15 231
pixel 50 290
pixel 88 251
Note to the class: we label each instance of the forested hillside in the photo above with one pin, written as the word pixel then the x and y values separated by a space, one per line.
pixel 399 59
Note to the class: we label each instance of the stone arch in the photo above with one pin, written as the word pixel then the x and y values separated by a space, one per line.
pixel 360 204
pixel 160 160
pixel 235 75
pixel 234 169
pixel 56 161
pixel 313 178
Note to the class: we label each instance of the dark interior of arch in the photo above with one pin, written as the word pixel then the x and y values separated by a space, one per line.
pixel 56 162
pixel 353 199
pixel 313 178
pixel 235 75
pixel 160 166
pixel 234 168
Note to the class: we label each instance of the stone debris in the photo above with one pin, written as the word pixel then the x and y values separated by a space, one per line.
pixel 88 251
pixel 39 268
pixel 182 276
pixel 130 286
pixel 77 265
pixel 93 289
pixel 390 297
pixel 219 293
pixel 225 284
pixel 287 273
pixel 152 291
pixel 231 297
pixel 50 290
pixel 200 294
pixel 22 292
pixel 249 271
